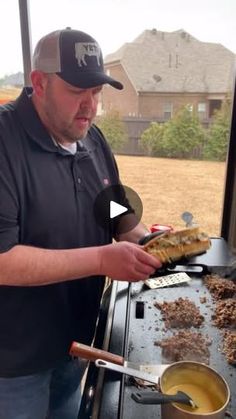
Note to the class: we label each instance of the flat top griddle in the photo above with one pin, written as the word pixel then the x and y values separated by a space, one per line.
pixel 218 259
pixel 137 324
pixel 146 326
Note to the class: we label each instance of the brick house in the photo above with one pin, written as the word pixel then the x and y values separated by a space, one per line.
pixel 161 72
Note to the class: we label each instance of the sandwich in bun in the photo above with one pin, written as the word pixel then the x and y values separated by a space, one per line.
pixel 171 246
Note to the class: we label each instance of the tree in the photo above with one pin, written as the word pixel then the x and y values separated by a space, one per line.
pixel 183 134
pixel 152 140
pixel 114 130
pixel 218 136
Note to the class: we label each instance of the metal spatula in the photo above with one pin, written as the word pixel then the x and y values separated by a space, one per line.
pixel 146 376
pixel 167 280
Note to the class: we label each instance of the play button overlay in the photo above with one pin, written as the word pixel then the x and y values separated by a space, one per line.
pixel 118 208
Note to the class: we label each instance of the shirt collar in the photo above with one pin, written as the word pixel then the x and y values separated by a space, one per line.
pixel 71 148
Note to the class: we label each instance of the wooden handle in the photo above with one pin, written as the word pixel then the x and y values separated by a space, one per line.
pixel 90 353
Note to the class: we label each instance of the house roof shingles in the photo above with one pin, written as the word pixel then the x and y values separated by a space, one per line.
pixel 159 61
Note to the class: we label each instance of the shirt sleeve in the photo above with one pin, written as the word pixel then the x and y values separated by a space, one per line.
pixel 9 228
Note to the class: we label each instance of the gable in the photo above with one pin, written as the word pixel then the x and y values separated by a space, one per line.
pixel 175 62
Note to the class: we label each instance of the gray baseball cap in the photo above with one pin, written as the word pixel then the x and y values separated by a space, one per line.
pixel 74 56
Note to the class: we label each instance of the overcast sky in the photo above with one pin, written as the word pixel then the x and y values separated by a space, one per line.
pixel 114 22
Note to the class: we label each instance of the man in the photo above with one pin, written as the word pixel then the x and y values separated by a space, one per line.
pixel 53 253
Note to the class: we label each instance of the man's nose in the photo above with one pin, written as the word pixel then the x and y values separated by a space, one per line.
pixel 88 99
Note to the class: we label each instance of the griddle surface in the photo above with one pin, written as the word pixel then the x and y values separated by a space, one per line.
pixel 143 332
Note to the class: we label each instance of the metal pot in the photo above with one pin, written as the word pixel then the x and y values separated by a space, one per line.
pixel 203 384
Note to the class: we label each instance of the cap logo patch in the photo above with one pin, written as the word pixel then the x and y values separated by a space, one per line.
pixel 89 49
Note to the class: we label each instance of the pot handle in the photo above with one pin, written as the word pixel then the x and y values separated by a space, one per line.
pixel 152 397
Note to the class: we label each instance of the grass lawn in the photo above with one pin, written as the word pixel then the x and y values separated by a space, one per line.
pixel 168 187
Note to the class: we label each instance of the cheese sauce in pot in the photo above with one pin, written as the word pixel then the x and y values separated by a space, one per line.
pixel 206 402
pixel 208 390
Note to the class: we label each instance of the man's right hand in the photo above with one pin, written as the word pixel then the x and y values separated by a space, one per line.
pixel 32 266
pixel 126 261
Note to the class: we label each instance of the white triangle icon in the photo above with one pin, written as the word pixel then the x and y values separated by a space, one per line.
pixel 116 209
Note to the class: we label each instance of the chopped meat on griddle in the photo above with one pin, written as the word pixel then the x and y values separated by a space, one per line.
pixel 229 346
pixel 203 300
pixel 220 287
pixel 180 313
pixel 186 346
pixel 225 313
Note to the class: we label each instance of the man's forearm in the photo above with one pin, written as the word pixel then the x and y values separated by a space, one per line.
pixel 30 266
pixel 25 265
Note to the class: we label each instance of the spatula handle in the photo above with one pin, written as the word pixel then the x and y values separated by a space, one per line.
pixel 153 397
pixel 88 352
pixel 133 372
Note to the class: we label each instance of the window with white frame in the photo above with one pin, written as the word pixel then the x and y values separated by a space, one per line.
pixel 167 110
pixel 201 109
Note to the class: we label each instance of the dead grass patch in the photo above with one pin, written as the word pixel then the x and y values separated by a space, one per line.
pixel 9 93
pixel 168 187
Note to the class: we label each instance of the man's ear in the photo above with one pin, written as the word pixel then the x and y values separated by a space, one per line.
pixel 38 80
